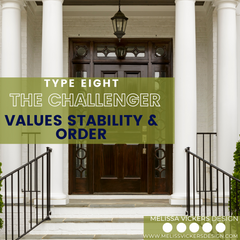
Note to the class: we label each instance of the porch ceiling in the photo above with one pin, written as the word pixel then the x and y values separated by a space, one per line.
pixel 123 2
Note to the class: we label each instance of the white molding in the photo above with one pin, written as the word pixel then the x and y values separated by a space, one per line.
pixel 94 196
pixel 108 11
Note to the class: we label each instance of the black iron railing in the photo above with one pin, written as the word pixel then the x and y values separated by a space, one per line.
pixel 209 202
pixel 204 142
pixel 22 211
pixel 34 155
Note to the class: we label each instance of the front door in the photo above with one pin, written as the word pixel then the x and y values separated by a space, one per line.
pixel 120 168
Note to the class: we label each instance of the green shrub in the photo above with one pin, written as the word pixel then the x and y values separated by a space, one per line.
pixel 1 201
pixel 236 174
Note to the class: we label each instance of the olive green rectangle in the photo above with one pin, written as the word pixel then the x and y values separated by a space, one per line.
pixel 188 227
pixel 94 111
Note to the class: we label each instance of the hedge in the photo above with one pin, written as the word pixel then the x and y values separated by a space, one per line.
pixel 236 174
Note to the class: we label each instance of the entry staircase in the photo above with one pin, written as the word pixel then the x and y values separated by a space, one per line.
pixel 102 218
pixel 28 215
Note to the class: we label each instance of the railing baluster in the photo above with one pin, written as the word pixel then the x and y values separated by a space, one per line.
pixel 36 183
pixel 193 186
pixel 5 204
pixel 203 145
pixel 47 186
pixel 217 196
pixel 200 205
pixel 48 181
pixel 237 196
pixel 18 177
pixel 28 158
pixel 24 194
pixel 211 190
pixel 205 188
pixel 36 177
pixel 12 205
pixel 31 195
pixel 210 148
pixel 42 188
pixel 230 200
pixel 223 194
pixel 188 181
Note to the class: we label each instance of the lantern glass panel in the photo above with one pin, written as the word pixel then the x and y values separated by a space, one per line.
pixel 119 25
pixel 124 25
pixel 114 25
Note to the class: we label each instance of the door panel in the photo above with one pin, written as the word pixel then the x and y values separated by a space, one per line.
pixel 120 167
pixel 133 71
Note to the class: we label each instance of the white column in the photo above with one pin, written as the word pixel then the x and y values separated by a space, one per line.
pixel 52 66
pixel 11 67
pixel 227 84
pixel 185 95
pixel 238 64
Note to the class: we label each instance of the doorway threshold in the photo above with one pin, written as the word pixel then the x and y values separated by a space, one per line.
pixel 119 196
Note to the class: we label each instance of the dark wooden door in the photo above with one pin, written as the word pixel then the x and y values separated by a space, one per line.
pixel 120 167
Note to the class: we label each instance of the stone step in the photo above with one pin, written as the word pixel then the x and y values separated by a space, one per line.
pixel 89 226
pixel 115 208
pixel 115 212
pixel 94 220
pixel 124 208
pixel 82 237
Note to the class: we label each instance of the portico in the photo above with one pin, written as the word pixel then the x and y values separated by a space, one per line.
pixel 204 54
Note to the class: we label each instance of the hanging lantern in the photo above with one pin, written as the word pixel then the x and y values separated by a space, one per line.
pixel 121 52
pixel 119 21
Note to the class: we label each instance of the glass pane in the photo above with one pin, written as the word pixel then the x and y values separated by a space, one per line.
pixel 157 74
pixel 84 74
pixel 163 74
pixel 119 24
pixel 81 160
pixel 141 55
pixel 129 54
pixel 100 48
pixel 164 163
pixel 130 49
pixel 141 49
pixel 160 160
pixel 160 52
pixel 100 54
pixel 114 25
pixel 82 51
pixel 124 25
pixel 78 74
pixel 111 49
pixel 112 54
pixel 122 28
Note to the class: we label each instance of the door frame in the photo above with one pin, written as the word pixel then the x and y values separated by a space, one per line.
pixel 88 63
